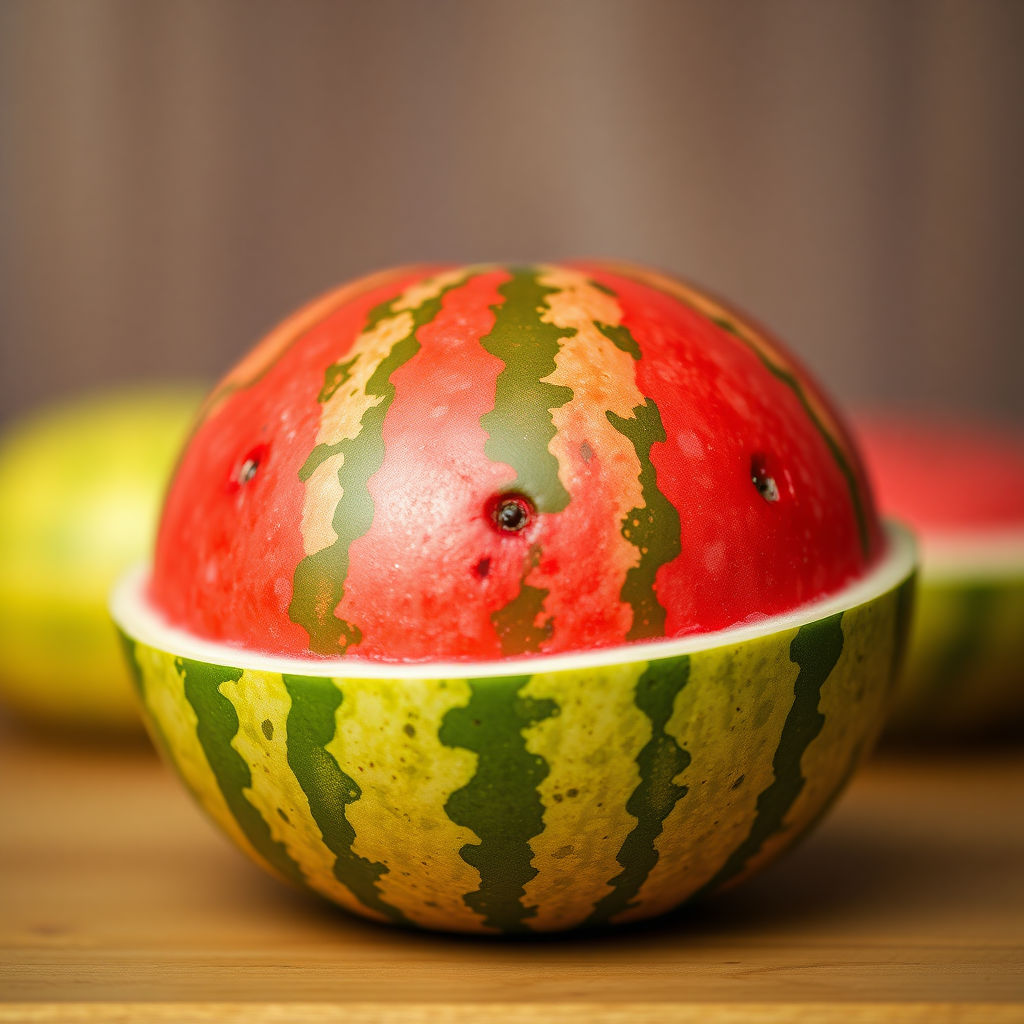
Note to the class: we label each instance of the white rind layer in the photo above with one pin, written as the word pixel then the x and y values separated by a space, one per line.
pixel 132 611
pixel 973 555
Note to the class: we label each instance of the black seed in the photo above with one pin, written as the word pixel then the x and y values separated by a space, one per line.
pixel 762 479
pixel 409 729
pixel 511 513
pixel 483 567
pixel 738 782
pixel 248 471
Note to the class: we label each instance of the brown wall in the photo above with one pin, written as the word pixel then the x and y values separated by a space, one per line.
pixel 175 175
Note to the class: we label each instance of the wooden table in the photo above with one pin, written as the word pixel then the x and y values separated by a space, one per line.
pixel 119 902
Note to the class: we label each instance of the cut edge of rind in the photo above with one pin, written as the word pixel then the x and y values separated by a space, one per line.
pixel 972 556
pixel 133 613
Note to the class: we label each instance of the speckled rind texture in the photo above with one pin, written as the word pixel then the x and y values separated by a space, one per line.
pixel 531 802
pixel 964 674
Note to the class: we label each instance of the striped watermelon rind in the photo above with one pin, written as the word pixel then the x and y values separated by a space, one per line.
pixel 964 670
pixel 531 794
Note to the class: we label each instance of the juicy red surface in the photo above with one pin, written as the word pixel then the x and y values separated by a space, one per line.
pixel 426 579
pixel 742 556
pixel 225 554
pixel 944 475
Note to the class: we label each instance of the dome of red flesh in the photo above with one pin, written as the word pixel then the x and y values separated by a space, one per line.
pixel 485 462
pixel 945 476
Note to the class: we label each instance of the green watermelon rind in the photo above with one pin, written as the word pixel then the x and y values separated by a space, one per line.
pixel 964 672
pixel 537 794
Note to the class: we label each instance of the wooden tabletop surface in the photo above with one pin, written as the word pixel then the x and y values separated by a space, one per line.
pixel 120 902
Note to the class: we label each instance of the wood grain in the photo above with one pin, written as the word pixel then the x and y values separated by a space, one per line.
pixel 510 1013
pixel 119 902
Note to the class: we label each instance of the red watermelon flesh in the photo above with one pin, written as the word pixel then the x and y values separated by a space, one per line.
pixel 489 461
pixel 945 476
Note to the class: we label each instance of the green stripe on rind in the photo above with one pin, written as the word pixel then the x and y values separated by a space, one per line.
pixel 128 646
pixel 838 455
pixel 334 376
pixel 311 726
pixel 152 723
pixel 500 804
pixel 815 649
pixel 319 580
pixel 906 604
pixel 963 646
pixel 217 727
pixel 660 761
pixel 516 622
pixel 502 819
pixel 654 529
pixel 520 424
pixel 621 337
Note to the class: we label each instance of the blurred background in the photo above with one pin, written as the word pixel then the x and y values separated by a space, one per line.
pixel 177 175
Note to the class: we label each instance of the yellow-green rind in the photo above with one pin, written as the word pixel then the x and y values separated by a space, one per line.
pixel 533 802
pixel 80 491
pixel 965 662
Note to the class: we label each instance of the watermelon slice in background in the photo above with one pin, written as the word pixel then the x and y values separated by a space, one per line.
pixel 960 485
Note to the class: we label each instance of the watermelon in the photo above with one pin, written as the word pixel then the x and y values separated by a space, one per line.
pixel 960 485
pixel 80 491
pixel 515 599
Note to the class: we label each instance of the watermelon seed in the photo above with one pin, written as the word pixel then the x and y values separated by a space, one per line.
pixel 268 728
pixel 250 464
pixel 738 782
pixel 511 513
pixel 482 568
pixel 409 729
pixel 762 479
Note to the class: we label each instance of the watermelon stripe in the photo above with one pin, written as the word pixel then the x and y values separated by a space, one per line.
pixel 334 376
pixel 964 645
pixel 217 726
pixel 703 305
pixel 654 529
pixel 387 738
pixel 500 804
pixel 592 749
pixel 129 647
pixel 906 603
pixel 174 727
pixel 621 337
pixel 319 581
pixel 816 649
pixel 598 465
pixel 730 723
pixel 660 761
pixel 516 622
pixel 839 456
pixel 852 763
pixel 286 335
pixel 311 726
pixel 520 424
